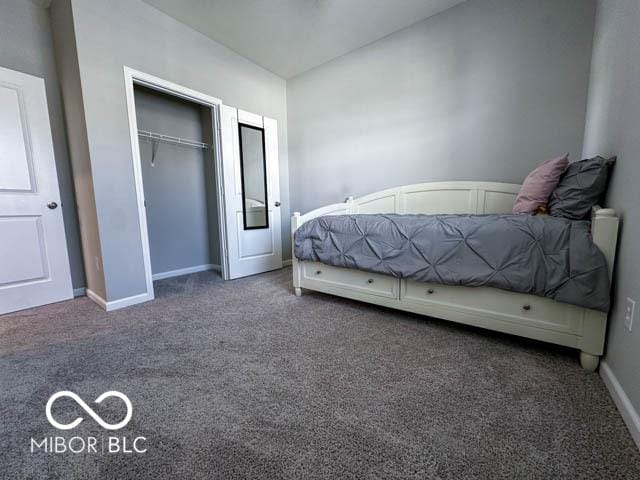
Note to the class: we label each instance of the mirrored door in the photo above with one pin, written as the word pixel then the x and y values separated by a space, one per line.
pixel 252 190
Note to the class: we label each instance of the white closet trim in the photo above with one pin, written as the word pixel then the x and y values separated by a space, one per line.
pixel 132 77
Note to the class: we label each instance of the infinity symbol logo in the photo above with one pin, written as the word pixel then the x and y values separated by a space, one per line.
pixel 89 410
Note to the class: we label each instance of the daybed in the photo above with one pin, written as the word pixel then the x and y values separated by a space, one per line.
pixel 492 308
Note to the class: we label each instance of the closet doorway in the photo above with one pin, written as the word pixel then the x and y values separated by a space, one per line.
pixel 178 173
pixel 177 163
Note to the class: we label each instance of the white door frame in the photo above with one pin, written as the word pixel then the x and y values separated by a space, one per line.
pixel 132 77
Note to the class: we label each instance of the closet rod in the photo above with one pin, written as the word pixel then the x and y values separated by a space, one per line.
pixel 169 139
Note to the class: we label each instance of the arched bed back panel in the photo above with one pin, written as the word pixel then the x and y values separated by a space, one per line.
pixel 429 198
pixel 441 197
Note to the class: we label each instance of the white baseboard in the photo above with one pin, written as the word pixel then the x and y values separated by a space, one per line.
pixel 286 263
pixel 96 298
pixel 143 297
pixel 120 303
pixel 628 412
pixel 79 292
pixel 185 271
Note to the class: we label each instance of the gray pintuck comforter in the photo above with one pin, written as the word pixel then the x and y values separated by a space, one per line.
pixel 541 255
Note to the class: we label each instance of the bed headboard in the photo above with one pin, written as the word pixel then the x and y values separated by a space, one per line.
pixel 440 197
pixel 428 198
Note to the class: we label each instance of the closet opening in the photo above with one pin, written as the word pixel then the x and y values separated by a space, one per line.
pixel 178 169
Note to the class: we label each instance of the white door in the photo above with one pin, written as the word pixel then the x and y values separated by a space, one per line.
pixel 34 264
pixel 252 192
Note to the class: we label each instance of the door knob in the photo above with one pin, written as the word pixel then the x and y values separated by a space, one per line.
pixel 52 205
pixel 277 204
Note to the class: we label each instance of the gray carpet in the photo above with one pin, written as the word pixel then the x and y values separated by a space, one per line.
pixel 242 379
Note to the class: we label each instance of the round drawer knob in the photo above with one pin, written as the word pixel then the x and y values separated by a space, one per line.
pixel 430 291
pixel 526 307
pixel 318 272
pixel 370 280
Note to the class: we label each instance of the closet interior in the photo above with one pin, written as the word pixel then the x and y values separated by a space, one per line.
pixel 178 172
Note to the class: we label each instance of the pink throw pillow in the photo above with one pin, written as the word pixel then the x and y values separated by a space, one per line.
pixel 539 184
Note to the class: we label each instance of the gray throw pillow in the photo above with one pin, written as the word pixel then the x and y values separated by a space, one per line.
pixel 582 186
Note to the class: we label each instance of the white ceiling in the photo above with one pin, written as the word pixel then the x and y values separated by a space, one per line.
pixel 289 37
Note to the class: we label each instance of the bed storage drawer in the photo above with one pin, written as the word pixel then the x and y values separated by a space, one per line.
pixel 316 274
pixel 492 302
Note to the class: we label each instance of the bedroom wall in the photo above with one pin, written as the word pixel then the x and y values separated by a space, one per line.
pixel 26 46
pixel 482 91
pixel 110 35
pixel 613 118
pixel 176 184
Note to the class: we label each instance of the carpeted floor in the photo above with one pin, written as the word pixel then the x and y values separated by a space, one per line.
pixel 242 379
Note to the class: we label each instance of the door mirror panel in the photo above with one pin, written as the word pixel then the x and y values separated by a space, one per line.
pixel 253 169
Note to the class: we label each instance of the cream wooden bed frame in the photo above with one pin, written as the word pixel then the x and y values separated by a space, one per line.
pixel 515 313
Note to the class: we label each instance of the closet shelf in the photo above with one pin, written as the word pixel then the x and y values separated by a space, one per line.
pixel 169 139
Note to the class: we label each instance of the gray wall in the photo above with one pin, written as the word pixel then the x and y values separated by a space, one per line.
pixel 69 74
pixel 176 184
pixel 206 118
pixel 110 35
pixel 613 121
pixel 26 46
pixel 483 91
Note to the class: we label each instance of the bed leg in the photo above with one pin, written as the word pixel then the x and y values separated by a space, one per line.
pixel 589 362
pixel 298 291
